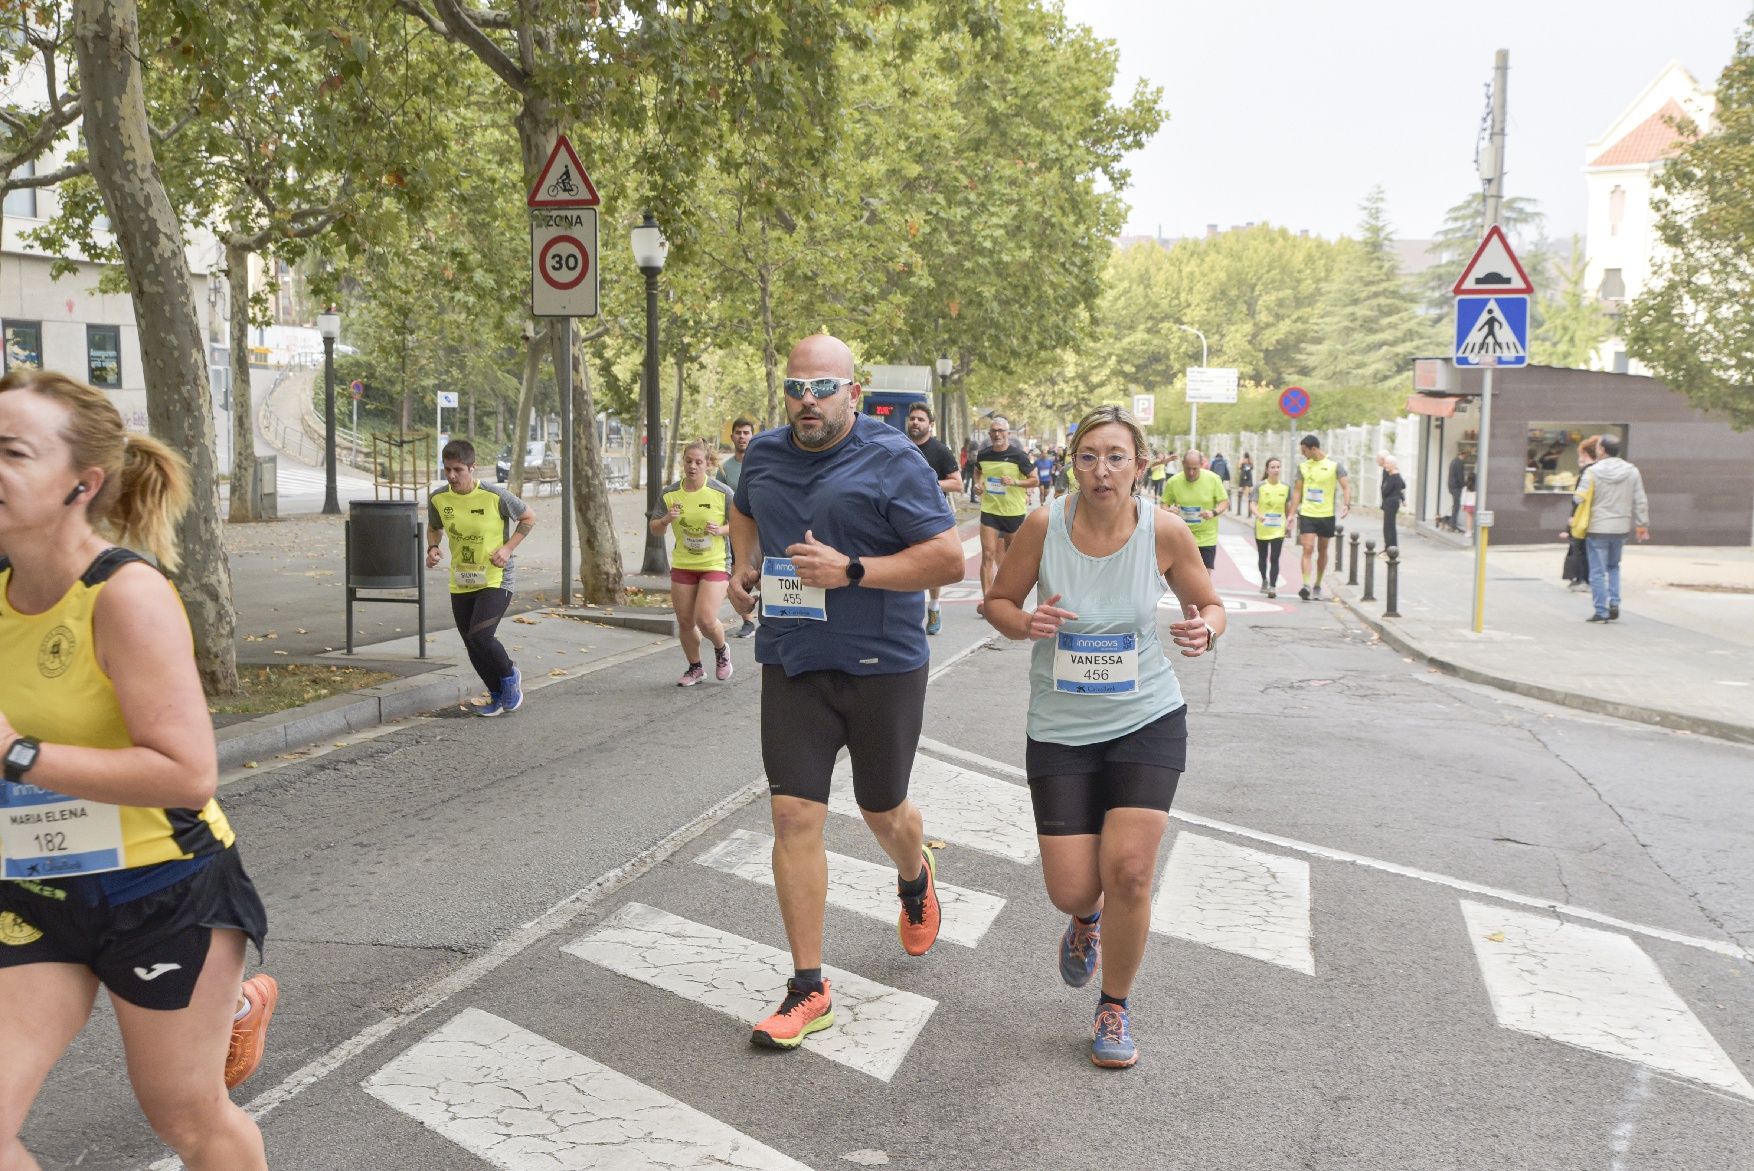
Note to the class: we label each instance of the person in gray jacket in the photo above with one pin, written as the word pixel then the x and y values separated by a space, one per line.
pixel 1618 508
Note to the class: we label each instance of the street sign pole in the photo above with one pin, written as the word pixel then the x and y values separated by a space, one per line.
pixel 1482 529
pixel 563 380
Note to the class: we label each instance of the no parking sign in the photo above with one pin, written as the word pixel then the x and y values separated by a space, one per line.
pixel 1294 401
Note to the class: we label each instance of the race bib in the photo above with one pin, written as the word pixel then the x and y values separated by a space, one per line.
pixel 995 486
pixel 1096 664
pixel 1316 495
pixel 1191 513
pixel 472 578
pixel 50 835
pixel 697 544
pixel 784 596
pixel 1273 520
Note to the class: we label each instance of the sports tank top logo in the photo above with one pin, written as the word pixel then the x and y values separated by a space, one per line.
pixel 55 654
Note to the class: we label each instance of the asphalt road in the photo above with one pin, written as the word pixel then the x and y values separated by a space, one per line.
pixel 1420 1007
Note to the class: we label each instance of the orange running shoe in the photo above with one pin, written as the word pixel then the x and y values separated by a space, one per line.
pixel 800 1014
pixel 249 1036
pixel 918 925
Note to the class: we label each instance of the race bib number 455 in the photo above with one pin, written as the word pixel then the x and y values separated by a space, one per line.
pixel 783 595
pixel 1096 664
pixel 50 835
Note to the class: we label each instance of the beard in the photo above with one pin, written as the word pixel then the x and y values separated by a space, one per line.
pixel 814 437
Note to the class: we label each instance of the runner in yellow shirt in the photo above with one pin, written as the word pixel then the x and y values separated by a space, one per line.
pixel 1003 473
pixel 1267 504
pixel 1197 495
pixel 697 509
pixel 1320 482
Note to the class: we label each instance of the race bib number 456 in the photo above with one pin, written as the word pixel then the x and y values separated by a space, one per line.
pixel 1096 664
pixel 783 595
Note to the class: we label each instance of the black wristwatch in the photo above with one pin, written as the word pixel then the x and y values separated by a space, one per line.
pixel 21 756
pixel 855 571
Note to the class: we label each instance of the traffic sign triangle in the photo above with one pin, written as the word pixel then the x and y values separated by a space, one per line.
pixel 563 182
pixel 1494 269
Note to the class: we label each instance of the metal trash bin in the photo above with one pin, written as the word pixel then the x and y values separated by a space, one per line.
pixel 266 489
pixel 385 552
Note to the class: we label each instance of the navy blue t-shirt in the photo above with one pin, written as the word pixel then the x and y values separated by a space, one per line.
pixel 870 495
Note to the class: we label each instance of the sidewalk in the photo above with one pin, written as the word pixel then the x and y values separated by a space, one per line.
pixel 1681 656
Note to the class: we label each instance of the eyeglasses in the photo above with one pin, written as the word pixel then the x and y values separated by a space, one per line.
pixel 820 387
pixel 1115 460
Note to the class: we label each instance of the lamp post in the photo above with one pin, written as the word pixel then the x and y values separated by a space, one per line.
pixel 649 250
pixel 1194 407
pixel 329 325
pixel 944 367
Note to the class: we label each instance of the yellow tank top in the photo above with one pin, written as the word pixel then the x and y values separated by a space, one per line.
pixel 1272 498
pixel 1321 480
pixel 52 688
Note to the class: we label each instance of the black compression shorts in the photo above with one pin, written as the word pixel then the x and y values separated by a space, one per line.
pixel 1321 526
pixel 1005 524
pixel 1073 786
pixel 807 718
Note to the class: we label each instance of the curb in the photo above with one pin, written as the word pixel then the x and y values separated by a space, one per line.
pixel 1657 717
pixel 299 727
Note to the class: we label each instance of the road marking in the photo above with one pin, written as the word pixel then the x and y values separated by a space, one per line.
pixel 1716 946
pixel 874 1025
pixel 1236 899
pixel 860 887
pixel 1594 989
pixel 971 546
pixel 968 808
pixel 1243 555
pixel 518 1100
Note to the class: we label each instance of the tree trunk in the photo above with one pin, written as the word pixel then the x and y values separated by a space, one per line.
pixel 675 423
pixel 600 571
pixel 520 442
pixel 243 427
pixel 179 400
pixel 770 357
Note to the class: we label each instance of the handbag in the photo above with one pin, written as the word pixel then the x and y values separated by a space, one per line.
pixel 1580 516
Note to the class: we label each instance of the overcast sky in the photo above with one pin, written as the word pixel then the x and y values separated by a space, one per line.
pixel 1289 111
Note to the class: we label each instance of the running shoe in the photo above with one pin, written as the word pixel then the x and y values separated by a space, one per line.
pixel 693 675
pixel 721 663
pixel 1316 593
pixel 1303 592
pixel 511 691
pixel 1263 587
pixel 918 924
pixel 1079 947
pixel 934 621
pixel 249 1035
pixel 1272 592
pixel 1112 1045
pixel 747 629
pixel 493 706
pixel 799 1015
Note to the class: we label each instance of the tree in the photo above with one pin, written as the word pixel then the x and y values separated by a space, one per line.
pixel 1693 325
pixel 179 402
pixel 1369 329
pixel 1464 226
pixel 1573 321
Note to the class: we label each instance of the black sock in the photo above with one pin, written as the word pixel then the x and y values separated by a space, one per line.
pixel 807 979
pixel 914 889
pixel 1090 922
pixel 1107 999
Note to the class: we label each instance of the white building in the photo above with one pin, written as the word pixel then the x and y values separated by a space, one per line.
pixel 1619 167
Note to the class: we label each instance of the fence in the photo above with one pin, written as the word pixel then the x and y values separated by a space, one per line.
pixel 1355 448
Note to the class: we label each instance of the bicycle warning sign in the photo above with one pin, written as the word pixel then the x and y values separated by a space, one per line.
pixel 563 263
pixel 563 182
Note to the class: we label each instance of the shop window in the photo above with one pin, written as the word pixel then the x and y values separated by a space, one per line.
pixel 1551 464
pixel 22 203
pixel 24 343
pixel 103 353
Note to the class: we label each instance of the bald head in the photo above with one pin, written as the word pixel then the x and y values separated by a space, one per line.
pixel 1192 462
pixel 821 355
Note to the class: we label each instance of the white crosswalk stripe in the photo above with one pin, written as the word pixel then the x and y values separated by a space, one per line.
pixel 875 1025
pixel 520 1101
pixel 1243 554
pixel 1237 899
pixel 1593 989
pixel 860 887
pixel 296 480
pixel 959 805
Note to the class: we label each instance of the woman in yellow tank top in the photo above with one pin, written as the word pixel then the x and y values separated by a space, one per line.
pixel 117 867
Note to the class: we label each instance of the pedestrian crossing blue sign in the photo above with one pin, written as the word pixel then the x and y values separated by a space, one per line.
pixel 1492 331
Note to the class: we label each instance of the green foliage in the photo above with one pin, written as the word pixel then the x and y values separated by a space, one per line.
pixel 1694 323
pixel 1367 329
pixel 1573 321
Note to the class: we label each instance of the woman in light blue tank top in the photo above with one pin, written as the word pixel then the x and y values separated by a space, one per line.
pixel 1107 725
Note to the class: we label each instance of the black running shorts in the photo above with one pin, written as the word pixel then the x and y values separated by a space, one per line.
pixel 1073 786
pixel 1321 526
pixel 148 951
pixel 806 719
pixel 1005 524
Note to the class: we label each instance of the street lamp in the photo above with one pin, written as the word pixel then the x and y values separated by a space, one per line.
pixel 944 367
pixel 649 250
pixel 329 325
pixel 1194 407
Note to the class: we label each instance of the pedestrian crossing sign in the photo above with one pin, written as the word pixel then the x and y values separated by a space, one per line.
pixel 1492 331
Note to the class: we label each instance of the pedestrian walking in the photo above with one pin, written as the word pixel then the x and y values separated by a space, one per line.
pixel 1245 480
pixel 1221 469
pixel 742 431
pixel 1612 490
pixel 105 736
pixel 1576 569
pixel 920 421
pixel 1319 481
pixel 843 527
pixel 485 524
pixel 1107 726
pixel 1457 483
pixel 1394 493
pixel 1197 495
pixel 696 511
pixel 1267 505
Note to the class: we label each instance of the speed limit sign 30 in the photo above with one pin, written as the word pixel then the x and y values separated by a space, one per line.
pixel 563 263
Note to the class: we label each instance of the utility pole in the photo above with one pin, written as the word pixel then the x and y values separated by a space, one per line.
pixel 1492 173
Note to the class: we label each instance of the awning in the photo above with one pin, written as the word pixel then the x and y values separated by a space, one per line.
pixel 1437 406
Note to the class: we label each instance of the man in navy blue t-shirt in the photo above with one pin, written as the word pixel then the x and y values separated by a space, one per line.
pixel 841 524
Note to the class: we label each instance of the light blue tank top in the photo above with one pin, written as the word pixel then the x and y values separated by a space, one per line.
pixel 1117 594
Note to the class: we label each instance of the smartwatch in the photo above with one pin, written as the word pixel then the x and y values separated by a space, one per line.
pixel 855 571
pixel 21 756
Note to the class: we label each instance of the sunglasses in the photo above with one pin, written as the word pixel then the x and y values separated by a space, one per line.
pixel 820 387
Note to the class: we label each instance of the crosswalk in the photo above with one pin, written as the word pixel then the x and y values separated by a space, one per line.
pixel 292 479
pixel 515 1099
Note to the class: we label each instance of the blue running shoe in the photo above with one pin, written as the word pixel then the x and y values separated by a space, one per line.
pixel 1112 1046
pixel 511 691
pixel 1078 951
pixel 934 621
pixel 493 707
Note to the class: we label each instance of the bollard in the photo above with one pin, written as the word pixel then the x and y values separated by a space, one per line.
pixel 1369 594
pixel 1391 588
pixel 1339 549
pixel 1352 578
